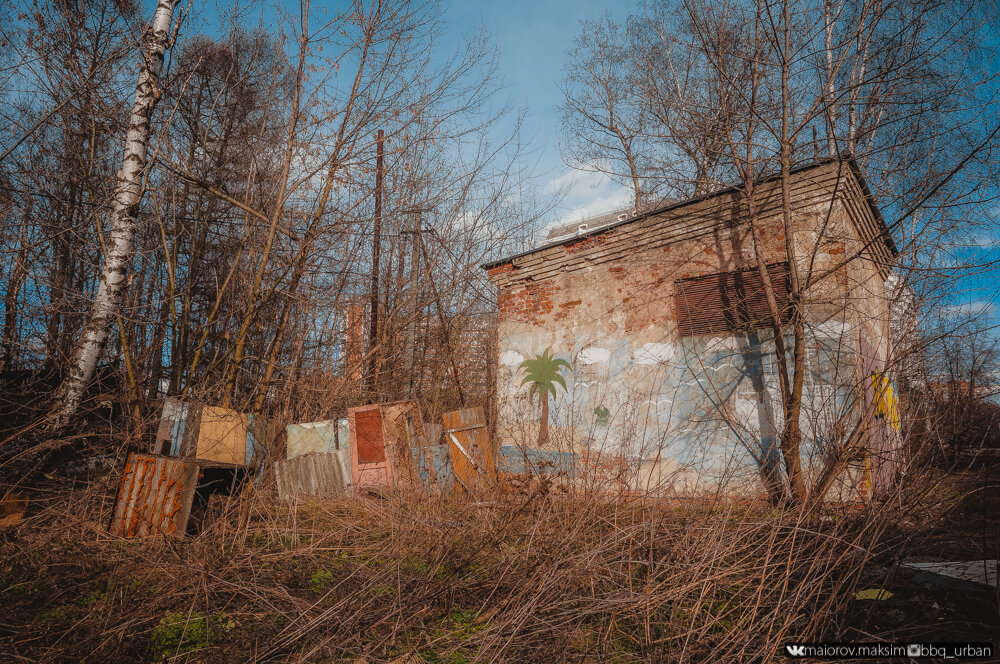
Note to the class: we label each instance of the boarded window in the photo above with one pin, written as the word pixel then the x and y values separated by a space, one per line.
pixel 730 301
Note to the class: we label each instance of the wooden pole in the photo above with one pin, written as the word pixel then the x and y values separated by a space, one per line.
pixel 411 342
pixel 376 251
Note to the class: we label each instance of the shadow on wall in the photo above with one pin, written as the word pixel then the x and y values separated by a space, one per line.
pixel 700 415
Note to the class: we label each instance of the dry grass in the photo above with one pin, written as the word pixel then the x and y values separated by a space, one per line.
pixel 532 578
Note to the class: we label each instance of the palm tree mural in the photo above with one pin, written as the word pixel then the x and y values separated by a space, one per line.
pixel 543 373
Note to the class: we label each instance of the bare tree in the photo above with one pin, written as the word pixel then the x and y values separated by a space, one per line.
pixel 602 115
pixel 127 196
pixel 745 90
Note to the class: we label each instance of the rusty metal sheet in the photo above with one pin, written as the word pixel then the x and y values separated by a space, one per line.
pixel 319 475
pixel 154 497
pixel 472 458
pixel 369 465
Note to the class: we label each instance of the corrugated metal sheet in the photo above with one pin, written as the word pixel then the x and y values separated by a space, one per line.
pixel 317 474
pixel 154 497
pixel 729 301
pixel 472 460
pixel 327 437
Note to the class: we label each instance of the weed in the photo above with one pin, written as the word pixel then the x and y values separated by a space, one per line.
pixel 181 633
pixel 416 565
pixel 319 580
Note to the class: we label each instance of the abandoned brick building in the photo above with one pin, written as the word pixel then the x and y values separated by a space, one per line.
pixel 671 382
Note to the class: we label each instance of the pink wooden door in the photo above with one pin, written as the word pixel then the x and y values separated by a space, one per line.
pixel 370 466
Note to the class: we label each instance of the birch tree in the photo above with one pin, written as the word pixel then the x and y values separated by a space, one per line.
pixel 118 252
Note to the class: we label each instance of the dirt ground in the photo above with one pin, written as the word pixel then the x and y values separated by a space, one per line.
pixel 929 607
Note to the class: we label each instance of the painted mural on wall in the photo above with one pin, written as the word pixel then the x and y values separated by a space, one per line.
pixel 692 414
pixel 542 374
pixel 881 412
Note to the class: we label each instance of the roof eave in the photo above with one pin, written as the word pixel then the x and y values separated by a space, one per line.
pixel 848 159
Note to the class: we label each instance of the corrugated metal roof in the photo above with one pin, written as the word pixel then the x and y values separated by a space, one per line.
pixel 572 229
pixel 884 234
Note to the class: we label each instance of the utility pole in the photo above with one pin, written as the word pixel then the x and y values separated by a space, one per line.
pixel 411 341
pixel 372 365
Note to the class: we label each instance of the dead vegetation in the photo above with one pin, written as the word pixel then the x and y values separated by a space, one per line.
pixel 516 577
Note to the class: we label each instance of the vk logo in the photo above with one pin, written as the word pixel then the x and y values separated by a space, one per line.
pixel 796 651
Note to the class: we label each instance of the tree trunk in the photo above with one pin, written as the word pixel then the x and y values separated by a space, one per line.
pixel 125 203
pixel 791 435
pixel 543 427
pixel 831 105
pixel 18 273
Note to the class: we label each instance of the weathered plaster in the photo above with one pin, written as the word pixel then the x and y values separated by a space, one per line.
pixel 694 414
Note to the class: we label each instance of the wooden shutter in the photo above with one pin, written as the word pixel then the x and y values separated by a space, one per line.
pixel 730 301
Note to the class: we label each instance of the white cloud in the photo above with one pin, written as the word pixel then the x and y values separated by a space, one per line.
pixel 587 194
pixel 976 308
pixel 467 219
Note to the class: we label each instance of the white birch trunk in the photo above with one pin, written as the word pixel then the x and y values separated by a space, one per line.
pixel 125 203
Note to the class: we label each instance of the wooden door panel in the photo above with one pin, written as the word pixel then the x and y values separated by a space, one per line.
pixel 471 451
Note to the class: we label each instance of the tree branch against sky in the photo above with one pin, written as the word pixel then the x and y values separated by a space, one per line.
pixel 232 272
pixel 735 91
pixel 128 191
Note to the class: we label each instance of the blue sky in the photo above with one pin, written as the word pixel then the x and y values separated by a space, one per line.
pixel 532 37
